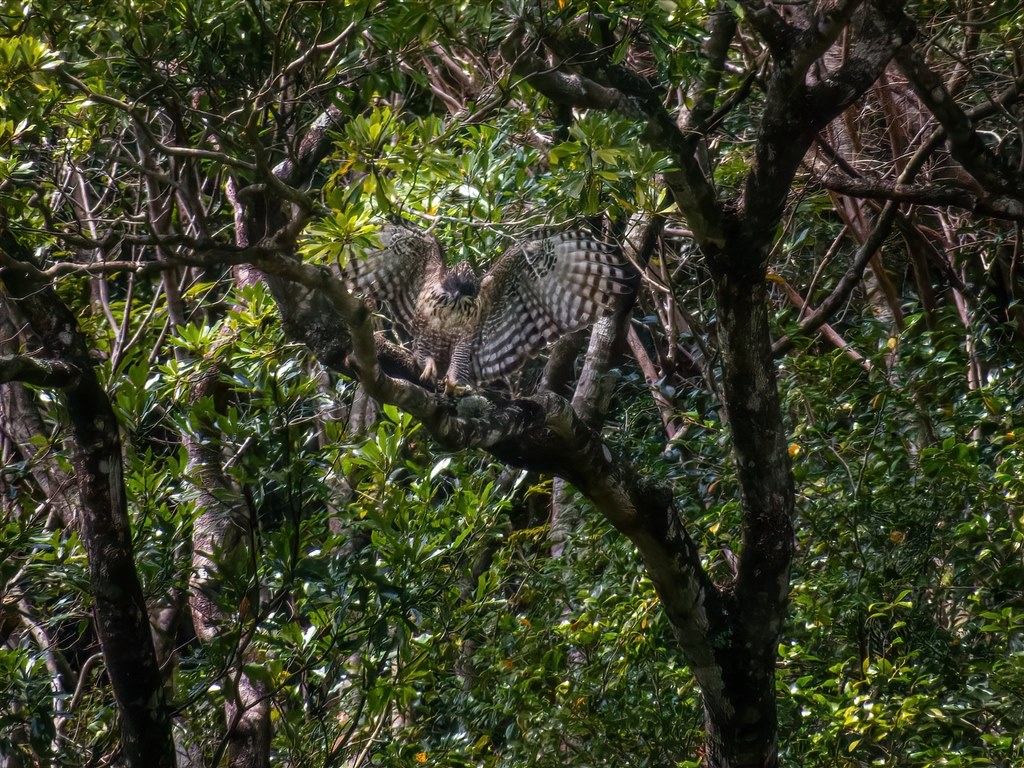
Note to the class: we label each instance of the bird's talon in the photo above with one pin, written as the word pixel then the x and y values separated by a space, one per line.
pixel 429 370
pixel 454 389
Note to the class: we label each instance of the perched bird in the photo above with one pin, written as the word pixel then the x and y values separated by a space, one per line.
pixel 472 330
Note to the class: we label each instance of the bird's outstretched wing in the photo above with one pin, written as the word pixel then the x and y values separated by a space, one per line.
pixel 538 291
pixel 397 272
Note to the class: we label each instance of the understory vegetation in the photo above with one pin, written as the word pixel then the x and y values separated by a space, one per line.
pixel 339 565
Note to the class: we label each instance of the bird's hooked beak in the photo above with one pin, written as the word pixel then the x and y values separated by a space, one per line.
pixel 457 286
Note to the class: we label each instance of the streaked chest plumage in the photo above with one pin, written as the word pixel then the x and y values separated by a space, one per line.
pixel 450 306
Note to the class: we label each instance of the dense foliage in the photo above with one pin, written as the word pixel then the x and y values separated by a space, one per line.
pixel 400 601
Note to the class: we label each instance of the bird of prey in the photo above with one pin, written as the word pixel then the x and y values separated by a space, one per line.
pixel 471 330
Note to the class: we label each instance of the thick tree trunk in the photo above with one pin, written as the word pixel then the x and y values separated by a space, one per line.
pixel 121 619
pixel 744 738
pixel 219 534
pixel 740 716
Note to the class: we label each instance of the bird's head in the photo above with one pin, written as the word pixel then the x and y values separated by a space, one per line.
pixel 459 290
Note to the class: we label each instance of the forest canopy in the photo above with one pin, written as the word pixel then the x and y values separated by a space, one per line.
pixel 765 511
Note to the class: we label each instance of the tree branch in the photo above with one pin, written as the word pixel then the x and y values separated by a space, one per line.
pixel 776 31
pixel 585 72
pixel 849 281
pixel 794 112
pixel 965 142
pixel 827 330
pixel 721 29
pixel 822 30
pixel 33 370
pixel 995 206
pixel 136 114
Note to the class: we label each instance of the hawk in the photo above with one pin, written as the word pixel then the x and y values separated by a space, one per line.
pixel 473 330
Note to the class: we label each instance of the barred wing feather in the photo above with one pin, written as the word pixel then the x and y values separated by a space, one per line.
pixel 397 272
pixel 541 290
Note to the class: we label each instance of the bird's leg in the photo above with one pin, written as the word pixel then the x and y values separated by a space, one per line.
pixel 457 379
pixel 429 369
pixel 454 382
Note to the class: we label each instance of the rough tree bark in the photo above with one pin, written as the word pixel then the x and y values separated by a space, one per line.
pixel 121 620
pixel 221 533
pixel 21 422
